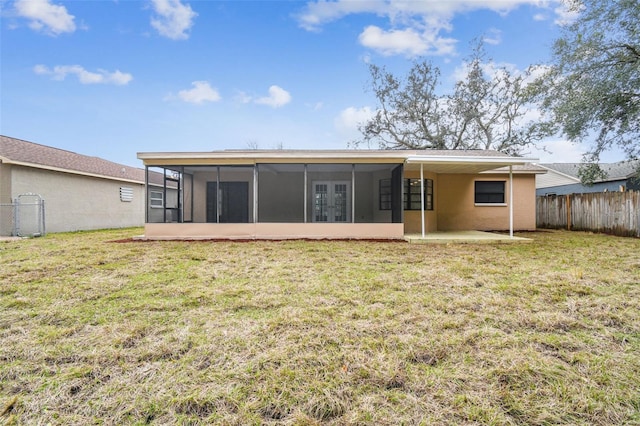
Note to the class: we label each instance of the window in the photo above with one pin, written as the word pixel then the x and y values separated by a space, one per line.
pixel 489 192
pixel 156 199
pixel 385 194
pixel 411 194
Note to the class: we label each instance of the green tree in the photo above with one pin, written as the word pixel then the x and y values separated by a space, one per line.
pixel 592 88
pixel 485 110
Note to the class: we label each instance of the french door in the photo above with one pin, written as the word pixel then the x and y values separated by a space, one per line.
pixel 332 201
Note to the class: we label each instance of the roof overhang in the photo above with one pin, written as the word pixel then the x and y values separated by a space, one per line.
pixel 249 157
pixel 464 164
pixel 443 162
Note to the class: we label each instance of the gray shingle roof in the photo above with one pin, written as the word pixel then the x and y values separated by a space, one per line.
pixel 615 171
pixel 29 153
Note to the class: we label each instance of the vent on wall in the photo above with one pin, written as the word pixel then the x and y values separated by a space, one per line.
pixel 126 194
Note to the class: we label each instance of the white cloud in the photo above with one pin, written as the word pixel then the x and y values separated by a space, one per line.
pixel 351 118
pixel 408 42
pixel 46 17
pixel 558 151
pixel 277 97
pixel 415 27
pixel 200 93
pixel 493 36
pixel 173 18
pixel 60 72
pixel 567 13
pixel 494 69
pixel 321 12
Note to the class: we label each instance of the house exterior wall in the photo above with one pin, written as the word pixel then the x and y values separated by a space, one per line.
pixel 6 210
pixel 578 188
pixel 456 209
pixel 554 178
pixel 161 231
pixel 5 183
pixel 282 196
pixel 75 202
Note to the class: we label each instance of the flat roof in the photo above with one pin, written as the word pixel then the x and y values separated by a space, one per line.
pixel 439 161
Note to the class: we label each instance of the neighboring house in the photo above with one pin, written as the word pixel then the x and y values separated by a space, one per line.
pixel 80 192
pixel 340 194
pixel 563 178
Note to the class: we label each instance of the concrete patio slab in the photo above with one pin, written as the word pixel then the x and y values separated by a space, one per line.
pixel 474 237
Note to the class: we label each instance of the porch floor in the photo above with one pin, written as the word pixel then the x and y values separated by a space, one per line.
pixel 475 237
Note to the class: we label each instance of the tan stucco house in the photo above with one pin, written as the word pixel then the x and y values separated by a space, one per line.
pixel 80 192
pixel 381 194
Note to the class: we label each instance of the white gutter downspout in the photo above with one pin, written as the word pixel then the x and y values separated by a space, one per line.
pixel 422 196
pixel 511 201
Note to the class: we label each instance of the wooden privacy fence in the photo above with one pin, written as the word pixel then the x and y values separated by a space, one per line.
pixel 616 213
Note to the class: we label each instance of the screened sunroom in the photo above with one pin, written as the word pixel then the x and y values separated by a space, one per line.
pixel 278 198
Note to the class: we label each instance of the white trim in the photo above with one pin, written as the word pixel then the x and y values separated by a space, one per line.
pixel 504 161
pixel 344 156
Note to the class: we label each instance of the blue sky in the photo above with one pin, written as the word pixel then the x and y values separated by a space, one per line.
pixel 112 78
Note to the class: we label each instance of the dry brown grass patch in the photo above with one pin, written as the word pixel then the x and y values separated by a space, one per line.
pixel 319 332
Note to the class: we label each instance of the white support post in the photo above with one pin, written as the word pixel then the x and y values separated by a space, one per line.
pixel 511 201
pixel 422 197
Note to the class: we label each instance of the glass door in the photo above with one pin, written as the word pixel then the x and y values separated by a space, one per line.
pixel 332 201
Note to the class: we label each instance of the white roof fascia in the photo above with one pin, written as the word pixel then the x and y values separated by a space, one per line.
pixel 500 161
pixel 253 155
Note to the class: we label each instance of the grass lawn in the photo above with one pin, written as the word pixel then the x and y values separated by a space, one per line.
pixel 330 332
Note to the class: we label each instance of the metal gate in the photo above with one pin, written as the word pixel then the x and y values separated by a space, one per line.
pixel 24 217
